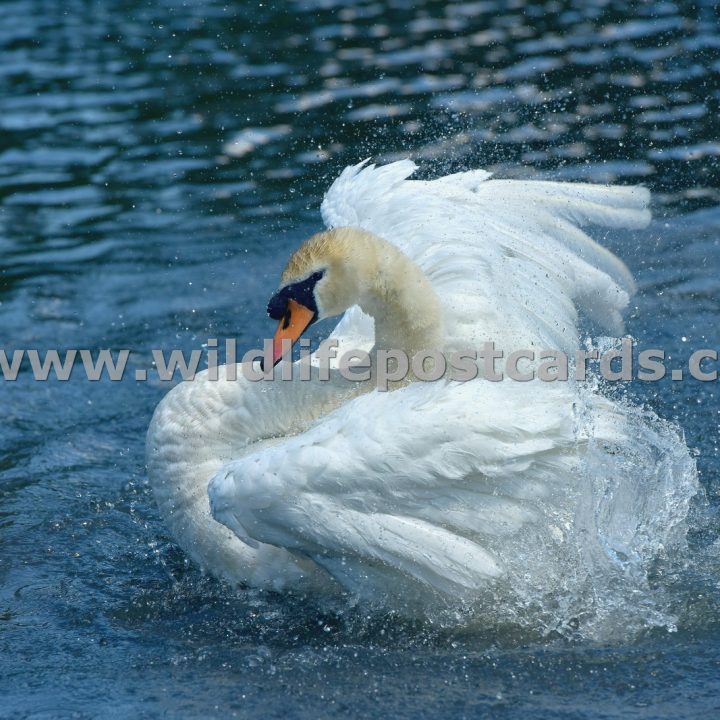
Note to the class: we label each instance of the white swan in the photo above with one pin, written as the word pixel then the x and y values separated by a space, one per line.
pixel 433 490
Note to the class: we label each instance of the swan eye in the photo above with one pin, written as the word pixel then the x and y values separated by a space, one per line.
pixel 302 292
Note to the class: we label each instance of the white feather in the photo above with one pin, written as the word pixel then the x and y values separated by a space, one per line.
pixel 507 257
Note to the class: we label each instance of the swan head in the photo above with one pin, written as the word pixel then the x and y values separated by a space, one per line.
pixel 329 273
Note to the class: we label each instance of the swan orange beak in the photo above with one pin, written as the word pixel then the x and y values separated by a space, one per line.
pixel 291 327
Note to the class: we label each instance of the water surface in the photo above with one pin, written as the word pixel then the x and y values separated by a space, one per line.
pixel 158 161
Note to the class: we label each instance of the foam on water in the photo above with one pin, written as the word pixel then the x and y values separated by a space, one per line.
pixel 636 481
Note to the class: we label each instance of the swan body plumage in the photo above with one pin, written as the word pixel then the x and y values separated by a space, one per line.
pixel 434 489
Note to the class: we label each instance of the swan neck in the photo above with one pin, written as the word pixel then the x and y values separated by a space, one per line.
pixel 402 302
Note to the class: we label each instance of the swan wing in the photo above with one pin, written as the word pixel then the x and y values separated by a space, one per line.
pixel 508 258
pixel 203 424
pixel 344 494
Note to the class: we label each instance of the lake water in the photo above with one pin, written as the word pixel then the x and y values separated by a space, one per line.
pixel 158 161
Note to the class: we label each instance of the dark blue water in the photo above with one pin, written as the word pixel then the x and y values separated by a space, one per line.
pixel 158 161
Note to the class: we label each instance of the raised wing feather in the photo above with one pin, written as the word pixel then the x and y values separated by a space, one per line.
pixel 507 257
